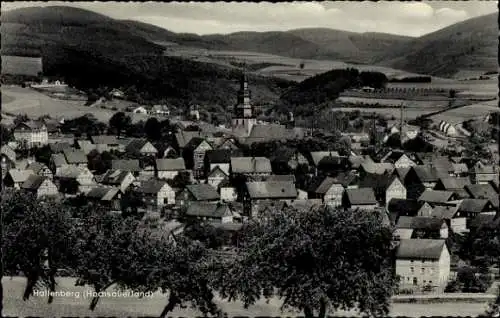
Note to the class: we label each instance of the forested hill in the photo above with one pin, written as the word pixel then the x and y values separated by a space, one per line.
pixel 92 51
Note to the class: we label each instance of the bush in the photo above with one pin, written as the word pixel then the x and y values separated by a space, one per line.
pixel 453 287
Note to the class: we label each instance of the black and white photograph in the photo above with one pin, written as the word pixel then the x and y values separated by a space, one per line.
pixel 250 159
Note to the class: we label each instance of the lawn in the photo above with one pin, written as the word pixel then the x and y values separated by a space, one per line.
pixel 122 307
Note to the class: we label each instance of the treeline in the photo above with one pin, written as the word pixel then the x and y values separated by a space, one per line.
pixel 411 79
pixel 308 96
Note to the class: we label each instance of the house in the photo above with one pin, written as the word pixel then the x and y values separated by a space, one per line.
pixel 227 143
pixel 130 165
pixel 198 193
pixel 219 158
pixel 437 197
pixel 385 187
pixel 483 191
pixel 442 163
pixel 399 159
pixel 166 151
pixel 227 191
pixel 160 110
pixel 361 198
pixel 194 155
pixel 454 220
pixel 460 170
pixel 7 159
pixel 31 133
pixel 73 179
pixel 420 227
pixel 407 207
pixel 169 168
pixel 16 177
pixel 376 168
pixel 482 174
pixel 212 212
pixel 470 208
pixel 107 143
pixel 75 157
pixel 419 178
pixel 118 178
pixel 270 132
pixel 258 191
pixel 281 177
pixel 141 147
pixel 40 169
pixel 116 93
pixel 57 162
pixel 156 194
pixel 421 263
pixel 330 190
pixel 182 138
pixel 453 184
pixel 41 186
pixel 109 197
pixel 254 168
pixel 216 176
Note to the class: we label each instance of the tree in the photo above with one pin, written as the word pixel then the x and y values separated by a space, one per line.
pixel 6 134
pixel 181 180
pixel 43 154
pixel 314 260
pixel 119 122
pixel 452 93
pixel 20 119
pixel 494 307
pixel 152 129
pixel 207 234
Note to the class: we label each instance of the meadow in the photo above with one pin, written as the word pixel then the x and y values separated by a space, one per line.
pixel 427 105
pixel 475 111
pixel 18 101
pixel 126 306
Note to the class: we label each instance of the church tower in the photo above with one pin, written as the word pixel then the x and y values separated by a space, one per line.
pixel 243 117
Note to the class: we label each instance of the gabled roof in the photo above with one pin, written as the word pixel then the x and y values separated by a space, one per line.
pixel 195 142
pixel 216 170
pixel 58 159
pixel 481 168
pixel 460 168
pixel 114 177
pixel 436 196
pixel 184 137
pixel 8 152
pixel 483 191
pixel 420 249
pixel 131 165
pixel 377 181
pixel 394 156
pixel 86 146
pixel 402 172
pixel 271 190
pixel 59 146
pixel 453 183
pixel 32 125
pixel 33 182
pixel 251 165
pixel 177 164
pixel 318 156
pixel 377 168
pixel 419 223
pixel 442 163
pixel 20 175
pixel 103 193
pixel 483 220
pixel 135 146
pixel 75 156
pixel 404 205
pixel 281 177
pixel 105 140
pixel 203 192
pixel 263 133
pixel 473 205
pixel 151 186
pixel 71 172
pixel 306 204
pixel 426 173
pixel 444 212
pixel 36 167
pixel 361 196
pixel 206 209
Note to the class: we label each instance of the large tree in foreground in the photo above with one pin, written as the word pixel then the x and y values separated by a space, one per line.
pixel 315 261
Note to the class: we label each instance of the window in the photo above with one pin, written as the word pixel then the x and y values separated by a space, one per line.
pixel 411 261
pixel 430 282
pixel 422 270
pixel 415 281
pixel 412 269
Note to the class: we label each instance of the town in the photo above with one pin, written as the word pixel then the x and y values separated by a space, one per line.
pixel 432 185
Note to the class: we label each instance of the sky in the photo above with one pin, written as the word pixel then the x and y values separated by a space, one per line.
pixel 404 18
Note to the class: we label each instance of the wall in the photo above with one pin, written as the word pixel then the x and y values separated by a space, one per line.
pixel 423 271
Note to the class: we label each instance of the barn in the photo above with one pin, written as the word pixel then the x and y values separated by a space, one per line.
pixel 447 128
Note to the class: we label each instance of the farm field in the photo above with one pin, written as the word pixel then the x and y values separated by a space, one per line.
pixel 17 100
pixel 123 307
pixel 410 113
pixel 475 111
pixel 484 87
pixel 428 105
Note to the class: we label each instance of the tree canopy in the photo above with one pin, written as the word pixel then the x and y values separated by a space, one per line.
pixel 314 260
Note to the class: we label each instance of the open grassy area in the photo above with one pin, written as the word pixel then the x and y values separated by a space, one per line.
pixel 475 111
pixel 35 104
pixel 122 307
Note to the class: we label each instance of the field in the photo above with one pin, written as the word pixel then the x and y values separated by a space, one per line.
pixel 123 307
pixel 427 105
pixel 17 100
pixel 483 87
pixel 410 113
pixel 475 111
